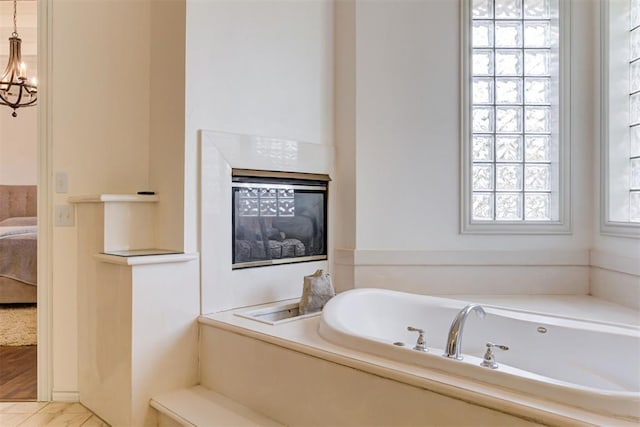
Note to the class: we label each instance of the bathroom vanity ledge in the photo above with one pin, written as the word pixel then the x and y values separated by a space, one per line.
pixel 100 198
pixel 146 259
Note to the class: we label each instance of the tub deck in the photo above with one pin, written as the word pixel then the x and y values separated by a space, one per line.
pixel 301 336
pixel 583 307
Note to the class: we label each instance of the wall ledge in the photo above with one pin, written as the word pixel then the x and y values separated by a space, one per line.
pixel 615 262
pixel 579 257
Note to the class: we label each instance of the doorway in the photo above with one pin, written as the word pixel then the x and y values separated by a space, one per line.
pixel 19 179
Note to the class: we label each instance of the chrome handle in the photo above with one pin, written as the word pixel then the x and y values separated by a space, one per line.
pixel 421 344
pixel 491 345
pixel 488 359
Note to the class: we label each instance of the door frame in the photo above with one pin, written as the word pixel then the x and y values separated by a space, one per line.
pixel 45 208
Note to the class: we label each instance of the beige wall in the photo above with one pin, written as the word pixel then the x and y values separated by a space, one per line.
pixel 100 124
pixel 18 146
pixel 19 135
pixel 167 117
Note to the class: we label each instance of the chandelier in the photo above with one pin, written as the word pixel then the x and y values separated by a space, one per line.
pixel 15 90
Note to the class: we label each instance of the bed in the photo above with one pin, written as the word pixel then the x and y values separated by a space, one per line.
pixel 18 244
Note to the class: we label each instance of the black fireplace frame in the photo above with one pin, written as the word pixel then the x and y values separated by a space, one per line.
pixel 299 183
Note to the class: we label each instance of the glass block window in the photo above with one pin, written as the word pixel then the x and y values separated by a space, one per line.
pixel 514 110
pixel 620 120
pixel 634 110
pixel 266 201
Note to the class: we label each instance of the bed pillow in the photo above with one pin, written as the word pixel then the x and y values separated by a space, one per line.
pixel 19 221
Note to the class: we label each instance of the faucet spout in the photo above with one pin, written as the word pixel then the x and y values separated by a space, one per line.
pixel 454 339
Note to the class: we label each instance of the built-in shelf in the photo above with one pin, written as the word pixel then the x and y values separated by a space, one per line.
pixel 142 252
pixel 97 198
pixel 145 259
pixel 124 222
pixel 125 227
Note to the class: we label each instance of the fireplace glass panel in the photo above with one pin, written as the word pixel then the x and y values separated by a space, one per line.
pixel 278 221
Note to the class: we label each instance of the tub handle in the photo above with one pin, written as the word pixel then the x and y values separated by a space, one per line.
pixel 421 343
pixel 498 346
pixel 489 359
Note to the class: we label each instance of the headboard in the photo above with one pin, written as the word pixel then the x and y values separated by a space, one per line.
pixel 18 200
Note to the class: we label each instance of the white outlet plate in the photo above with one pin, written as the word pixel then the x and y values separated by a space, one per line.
pixel 64 216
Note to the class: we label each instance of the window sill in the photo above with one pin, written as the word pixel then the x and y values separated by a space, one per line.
pixel 515 228
pixel 620 229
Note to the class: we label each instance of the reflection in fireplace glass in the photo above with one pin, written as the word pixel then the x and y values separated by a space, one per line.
pixel 278 221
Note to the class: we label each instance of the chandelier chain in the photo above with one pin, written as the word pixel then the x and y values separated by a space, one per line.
pixel 15 21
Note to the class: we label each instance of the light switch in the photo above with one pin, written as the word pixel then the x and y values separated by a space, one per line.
pixel 64 216
pixel 61 182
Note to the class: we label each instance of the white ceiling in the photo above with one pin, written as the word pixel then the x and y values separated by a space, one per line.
pixel 27 19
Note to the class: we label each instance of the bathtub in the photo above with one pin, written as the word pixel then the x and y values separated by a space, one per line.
pixel 589 365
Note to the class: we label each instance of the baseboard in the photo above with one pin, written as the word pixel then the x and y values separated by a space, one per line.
pixel 65 396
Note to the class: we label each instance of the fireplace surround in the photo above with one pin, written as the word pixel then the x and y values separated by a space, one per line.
pixel 223 157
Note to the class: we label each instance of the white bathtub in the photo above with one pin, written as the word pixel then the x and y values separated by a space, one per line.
pixel 591 365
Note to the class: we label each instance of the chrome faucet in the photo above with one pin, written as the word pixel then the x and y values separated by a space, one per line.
pixel 454 339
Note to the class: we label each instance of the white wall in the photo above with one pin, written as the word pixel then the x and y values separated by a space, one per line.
pixel 616 260
pixel 18 146
pixel 406 140
pixel 259 68
pixel 408 90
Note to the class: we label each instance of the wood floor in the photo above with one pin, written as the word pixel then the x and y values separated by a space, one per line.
pixel 18 373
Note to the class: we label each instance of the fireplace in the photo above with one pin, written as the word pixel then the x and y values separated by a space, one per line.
pixel 278 218
pixel 225 157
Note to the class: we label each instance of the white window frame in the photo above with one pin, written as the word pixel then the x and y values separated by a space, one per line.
pixel 563 224
pixel 609 226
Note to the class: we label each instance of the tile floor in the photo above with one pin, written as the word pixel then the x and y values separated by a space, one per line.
pixel 49 414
